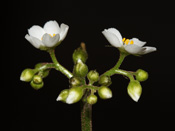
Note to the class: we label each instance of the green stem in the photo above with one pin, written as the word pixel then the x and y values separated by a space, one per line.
pixel 124 73
pixel 116 70
pixel 86 114
pixel 59 67
pixel 112 70
pixel 46 66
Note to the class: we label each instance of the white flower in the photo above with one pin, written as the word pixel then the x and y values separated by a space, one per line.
pixel 133 46
pixel 49 36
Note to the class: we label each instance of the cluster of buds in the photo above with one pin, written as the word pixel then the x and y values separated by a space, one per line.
pixel 134 87
pixel 78 85
pixel 35 76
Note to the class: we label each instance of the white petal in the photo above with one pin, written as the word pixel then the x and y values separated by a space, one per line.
pixel 63 31
pixel 34 41
pixel 49 41
pixel 52 27
pixel 147 50
pixel 117 33
pixel 138 42
pixel 36 31
pixel 72 97
pixel 133 49
pixel 112 38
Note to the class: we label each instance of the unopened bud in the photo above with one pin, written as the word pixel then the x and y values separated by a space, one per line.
pixel 75 81
pixel 92 99
pixel 27 75
pixel 37 79
pixel 93 76
pixel 134 90
pixel 141 75
pixel 80 69
pixel 105 80
pixel 79 54
pixel 36 86
pixel 104 92
pixel 63 95
pixel 75 94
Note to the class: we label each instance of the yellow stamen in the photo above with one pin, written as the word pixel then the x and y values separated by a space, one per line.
pixel 127 41
pixel 132 42
pixel 52 35
pixel 124 39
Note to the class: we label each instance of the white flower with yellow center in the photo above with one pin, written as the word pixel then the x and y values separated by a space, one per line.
pixel 131 46
pixel 49 36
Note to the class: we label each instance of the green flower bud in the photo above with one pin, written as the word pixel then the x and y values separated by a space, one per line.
pixel 104 92
pixel 36 86
pixel 79 54
pixel 134 90
pixel 92 99
pixel 27 75
pixel 105 80
pixel 141 75
pixel 93 76
pixel 37 79
pixel 75 94
pixel 80 69
pixel 75 81
pixel 63 95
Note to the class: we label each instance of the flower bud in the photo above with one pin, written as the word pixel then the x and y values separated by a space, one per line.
pixel 93 76
pixel 79 54
pixel 134 90
pixel 80 69
pixel 63 95
pixel 37 79
pixel 27 75
pixel 75 81
pixel 105 80
pixel 75 94
pixel 104 92
pixel 36 86
pixel 92 99
pixel 141 75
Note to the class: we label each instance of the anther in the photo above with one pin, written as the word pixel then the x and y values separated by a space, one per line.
pixel 127 41
pixel 132 42
pixel 124 39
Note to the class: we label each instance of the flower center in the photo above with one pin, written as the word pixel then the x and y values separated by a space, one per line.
pixel 127 41
pixel 52 35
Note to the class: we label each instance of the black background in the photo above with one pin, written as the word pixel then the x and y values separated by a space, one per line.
pixel 38 110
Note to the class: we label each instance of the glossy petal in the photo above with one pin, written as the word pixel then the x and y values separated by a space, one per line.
pixel 63 31
pixel 147 50
pixel 34 41
pixel 138 42
pixel 36 31
pixel 52 27
pixel 49 41
pixel 117 33
pixel 134 49
pixel 112 38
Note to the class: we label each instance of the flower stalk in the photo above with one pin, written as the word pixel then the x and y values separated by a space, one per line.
pixel 86 114
pixel 58 66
